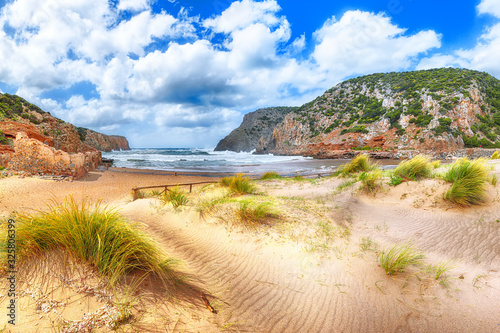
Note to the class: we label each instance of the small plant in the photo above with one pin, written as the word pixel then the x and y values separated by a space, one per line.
pixel 360 163
pixel 436 164
pixel 396 258
pixel 250 212
pixel 239 184
pixel 416 168
pixel 371 180
pixel 270 175
pixel 469 180
pixel 395 180
pixel 366 244
pixel 176 196
pixel 439 269
pixel 495 156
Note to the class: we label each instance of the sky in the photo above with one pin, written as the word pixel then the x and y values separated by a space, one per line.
pixel 182 73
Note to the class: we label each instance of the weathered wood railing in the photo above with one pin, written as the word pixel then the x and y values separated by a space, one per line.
pixel 165 187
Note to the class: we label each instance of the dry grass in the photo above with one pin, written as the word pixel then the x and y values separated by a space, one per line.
pixel 417 168
pixel 361 163
pixel 469 180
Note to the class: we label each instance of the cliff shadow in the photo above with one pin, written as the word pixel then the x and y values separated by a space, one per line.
pixel 91 176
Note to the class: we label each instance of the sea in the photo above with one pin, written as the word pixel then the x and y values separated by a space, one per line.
pixel 194 160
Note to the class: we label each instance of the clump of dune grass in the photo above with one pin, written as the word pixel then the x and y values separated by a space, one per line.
pixel 361 163
pixel 271 175
pixel 371 181
pixel 92 233
pixel 495 156
pixel 176 196
pixel 435 164
pixel 250 212
pixel 239 184
pixel 469 180
pixel 417 168
pixel 396 258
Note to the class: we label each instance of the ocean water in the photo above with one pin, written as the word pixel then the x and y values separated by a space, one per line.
pixel 207 160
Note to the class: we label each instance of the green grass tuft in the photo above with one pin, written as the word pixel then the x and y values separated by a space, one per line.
pixel 469 180
pixel 249 212
pixel 239 184
pixel 396 258
pixel 416 168
pixel 176 196
pixel 92 233
pixel 495 156
pixel 361 163
pixel 371 181
pixel 270 175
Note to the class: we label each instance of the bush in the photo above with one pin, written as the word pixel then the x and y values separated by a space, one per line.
pixel 270 175
pixel 469 180
pixel 89 232
pixel 395 180
pixel 416 168
pixel 239 184
pixel 361 163
pixel 395 259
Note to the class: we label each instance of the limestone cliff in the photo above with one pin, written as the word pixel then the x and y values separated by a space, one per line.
pixel 433 111
pixel 256 125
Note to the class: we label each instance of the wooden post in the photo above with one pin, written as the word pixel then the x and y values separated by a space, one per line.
pixel 190 187
pixel 134 194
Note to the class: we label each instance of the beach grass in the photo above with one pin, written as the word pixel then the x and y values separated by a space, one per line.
pixel 495 156
pixel 92 233
pixel 270 175
pixel 416 168
pixel 396 258
pixel 250 212
pixel 371 181
pixel 176 196
pixel 469 179
pixel 239 184
pixel 361 163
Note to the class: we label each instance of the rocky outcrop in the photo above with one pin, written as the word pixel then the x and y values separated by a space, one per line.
pixel 434 112
pixel 36 158
pixel 256 125
pixel 104 142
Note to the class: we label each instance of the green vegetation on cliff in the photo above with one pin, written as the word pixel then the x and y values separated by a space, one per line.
pixel 457 105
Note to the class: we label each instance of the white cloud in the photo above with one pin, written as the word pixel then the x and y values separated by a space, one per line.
pixel 489 7
pixel 362 42
pixel 133 5
pixel 242 14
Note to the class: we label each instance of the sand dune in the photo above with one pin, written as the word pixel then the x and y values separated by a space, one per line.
pixel 275 279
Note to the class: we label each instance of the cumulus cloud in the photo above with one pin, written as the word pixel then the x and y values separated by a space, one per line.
pixel 362 42
pixel 483 56
pixel 489 7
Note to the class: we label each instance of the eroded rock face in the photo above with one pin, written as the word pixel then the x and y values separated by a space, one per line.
pixel 450 110
pixel 11 128
pixel 255 125
pixel 34 157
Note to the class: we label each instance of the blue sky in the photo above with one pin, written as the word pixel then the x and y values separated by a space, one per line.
pixel 182 73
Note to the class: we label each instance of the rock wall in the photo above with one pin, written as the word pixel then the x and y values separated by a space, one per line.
pixel 11 128
pixel 36 158
pixel 255 125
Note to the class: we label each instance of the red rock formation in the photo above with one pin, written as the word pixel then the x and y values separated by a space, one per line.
pixel 11 128
pixel 34 157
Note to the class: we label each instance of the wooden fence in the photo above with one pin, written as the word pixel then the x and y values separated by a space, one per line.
pixel 165 187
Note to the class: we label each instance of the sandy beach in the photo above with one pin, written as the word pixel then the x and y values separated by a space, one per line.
pixel 312 268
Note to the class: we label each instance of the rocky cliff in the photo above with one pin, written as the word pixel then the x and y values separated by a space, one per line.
pixel 433 111
pixel 255 125
pixel 101 141
pixel 18 115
